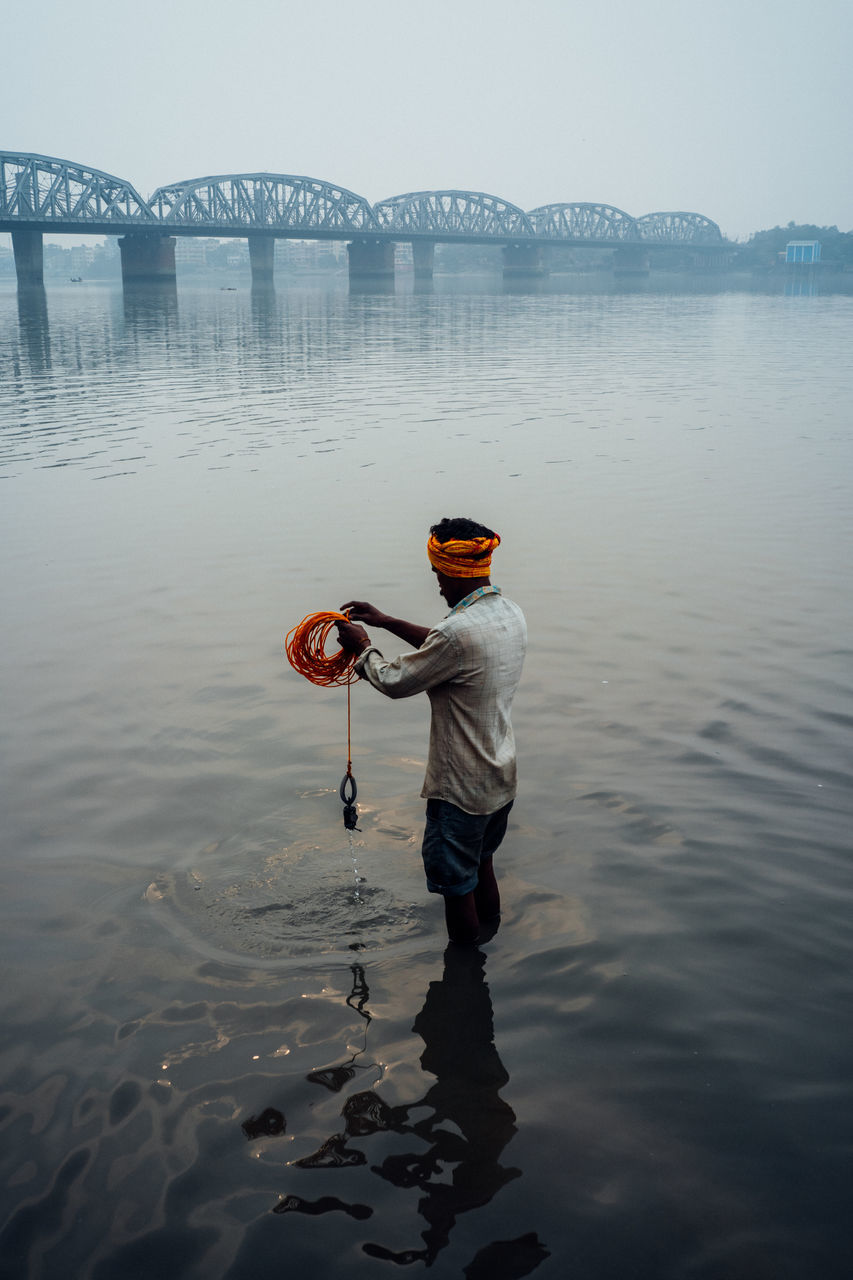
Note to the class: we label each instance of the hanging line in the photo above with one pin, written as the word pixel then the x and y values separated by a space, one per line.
pixel 306 653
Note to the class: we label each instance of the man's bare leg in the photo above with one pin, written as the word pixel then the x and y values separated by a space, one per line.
pixel 460 914
pixel 487 898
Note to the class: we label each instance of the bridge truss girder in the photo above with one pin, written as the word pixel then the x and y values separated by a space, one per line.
pixel 600 222
pixel 678 228
pixel 263 201
pixel 452 213
pixel 42 189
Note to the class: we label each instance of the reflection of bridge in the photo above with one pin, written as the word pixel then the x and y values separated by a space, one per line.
pixel 39 193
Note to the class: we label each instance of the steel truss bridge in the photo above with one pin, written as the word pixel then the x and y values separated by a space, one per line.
pixel 41 193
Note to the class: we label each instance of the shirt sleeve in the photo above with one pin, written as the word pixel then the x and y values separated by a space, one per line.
pixel 435 662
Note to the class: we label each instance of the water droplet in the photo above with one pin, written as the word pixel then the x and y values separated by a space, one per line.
pixel 356 877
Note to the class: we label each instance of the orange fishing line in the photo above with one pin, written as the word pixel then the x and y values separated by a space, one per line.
pixel 305 647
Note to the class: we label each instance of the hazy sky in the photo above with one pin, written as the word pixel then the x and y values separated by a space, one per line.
pixel 738 110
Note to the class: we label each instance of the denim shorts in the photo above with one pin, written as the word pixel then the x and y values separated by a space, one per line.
pixel 454 844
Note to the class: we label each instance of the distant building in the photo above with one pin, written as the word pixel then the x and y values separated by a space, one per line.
pixel 237 253
pixel 802 251
pixel 191 251
pixel 82 257
pixel 310 255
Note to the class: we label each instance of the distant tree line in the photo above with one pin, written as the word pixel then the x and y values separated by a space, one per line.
pixel 763 247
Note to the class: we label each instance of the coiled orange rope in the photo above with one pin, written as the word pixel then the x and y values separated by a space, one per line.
pixel 305 647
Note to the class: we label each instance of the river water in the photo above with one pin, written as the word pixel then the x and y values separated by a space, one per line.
pixel 234 1046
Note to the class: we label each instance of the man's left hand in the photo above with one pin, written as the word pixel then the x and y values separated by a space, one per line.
pixel 352 638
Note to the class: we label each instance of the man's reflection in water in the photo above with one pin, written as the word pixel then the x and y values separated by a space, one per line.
pixel 467 1125
pixel 455 1160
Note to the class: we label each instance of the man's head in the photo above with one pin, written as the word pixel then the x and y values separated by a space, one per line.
pixel 460 528
pixel 460 552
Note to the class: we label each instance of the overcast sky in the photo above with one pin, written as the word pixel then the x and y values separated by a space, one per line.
pixel 738 110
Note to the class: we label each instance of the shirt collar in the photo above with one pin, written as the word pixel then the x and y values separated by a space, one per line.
pixel 474 595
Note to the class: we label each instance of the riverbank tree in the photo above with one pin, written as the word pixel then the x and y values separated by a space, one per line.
pixel 763 247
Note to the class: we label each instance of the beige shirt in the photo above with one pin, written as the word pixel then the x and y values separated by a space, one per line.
pixel 469 666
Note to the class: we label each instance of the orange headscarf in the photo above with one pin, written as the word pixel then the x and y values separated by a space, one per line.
pixel 462 558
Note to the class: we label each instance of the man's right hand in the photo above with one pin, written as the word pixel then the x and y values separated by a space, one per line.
pixel 410 632
pixel 352 638
pixel 362 611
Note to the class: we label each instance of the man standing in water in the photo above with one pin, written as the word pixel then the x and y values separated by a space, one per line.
pixel 469 666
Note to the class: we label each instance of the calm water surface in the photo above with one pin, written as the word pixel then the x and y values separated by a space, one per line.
pixel 225 1056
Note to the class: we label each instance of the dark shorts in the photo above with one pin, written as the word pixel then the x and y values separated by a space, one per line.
pixel 455 842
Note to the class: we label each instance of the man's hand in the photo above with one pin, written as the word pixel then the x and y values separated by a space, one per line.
pixel 361 611
pixel 352 638
pixel 410 632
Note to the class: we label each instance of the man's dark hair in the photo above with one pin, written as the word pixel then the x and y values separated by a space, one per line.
pixel 460 528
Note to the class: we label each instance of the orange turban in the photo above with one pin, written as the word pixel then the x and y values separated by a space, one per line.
pixel 462 558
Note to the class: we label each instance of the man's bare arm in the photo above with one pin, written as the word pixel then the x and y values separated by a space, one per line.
pixel 409 632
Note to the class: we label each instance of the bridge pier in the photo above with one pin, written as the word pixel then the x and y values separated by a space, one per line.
pixel 261 260
pixel 371 262
pixel 28 249
pixel 712 259
pixel 423 258
pixel 523 262
pixel 147 258
pixel 631 260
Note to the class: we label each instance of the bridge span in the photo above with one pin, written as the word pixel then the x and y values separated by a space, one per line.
pixel 41 194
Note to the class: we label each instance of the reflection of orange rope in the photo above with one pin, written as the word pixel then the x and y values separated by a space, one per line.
pixel 305 649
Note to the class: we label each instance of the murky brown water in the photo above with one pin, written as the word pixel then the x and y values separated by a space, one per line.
pixel 221 1056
